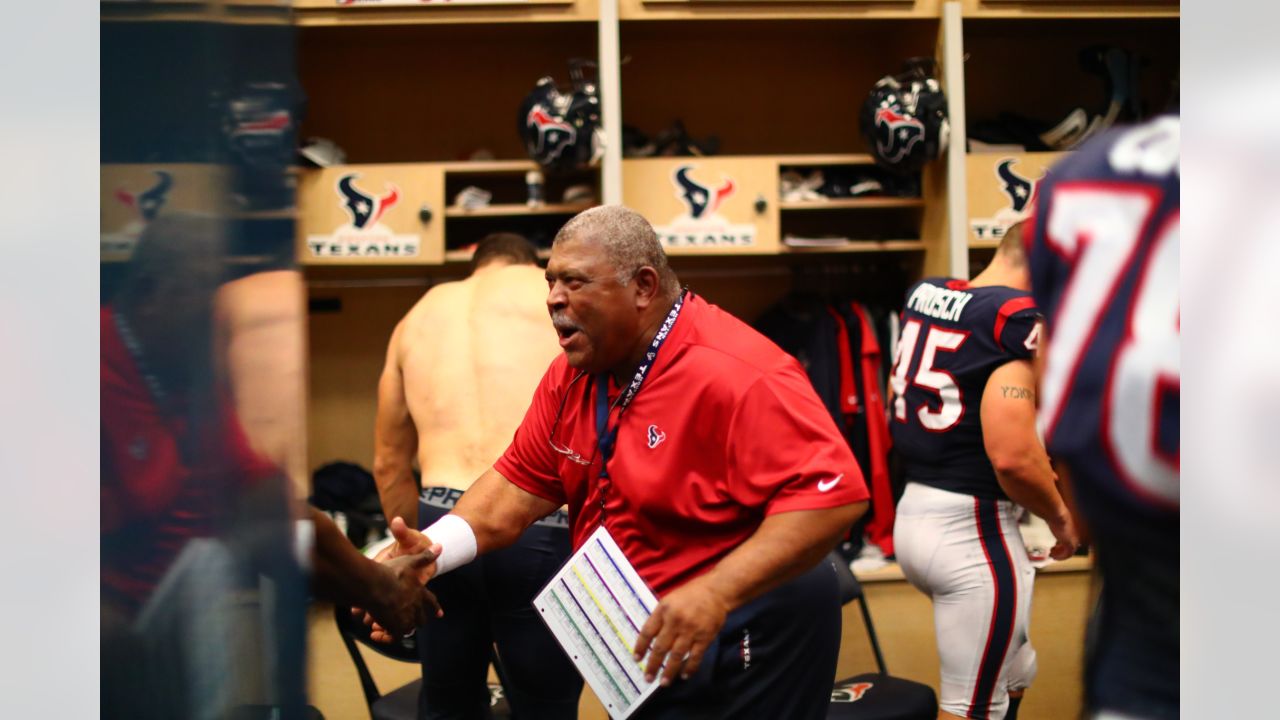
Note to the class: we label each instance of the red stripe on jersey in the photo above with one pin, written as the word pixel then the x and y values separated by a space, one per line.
pixel 1008 309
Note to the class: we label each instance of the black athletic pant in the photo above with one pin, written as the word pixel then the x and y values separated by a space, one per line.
pixel 775 658
pixel 488 601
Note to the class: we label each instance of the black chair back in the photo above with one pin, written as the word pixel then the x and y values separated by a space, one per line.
pixel 875 696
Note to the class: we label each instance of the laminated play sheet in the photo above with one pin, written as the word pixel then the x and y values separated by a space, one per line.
pixel 595 606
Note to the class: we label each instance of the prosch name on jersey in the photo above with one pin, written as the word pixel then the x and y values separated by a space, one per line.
pixel 939 303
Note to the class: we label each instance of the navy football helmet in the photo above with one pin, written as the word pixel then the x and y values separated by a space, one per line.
pixel 904 118
pixel 259 123
pixel 561 131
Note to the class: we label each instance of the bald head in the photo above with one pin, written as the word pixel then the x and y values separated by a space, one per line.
pixel 628 240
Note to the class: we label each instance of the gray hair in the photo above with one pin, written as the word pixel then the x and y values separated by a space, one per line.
pixel 628 240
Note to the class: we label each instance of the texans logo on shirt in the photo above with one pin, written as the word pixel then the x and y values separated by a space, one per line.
pixel 850 693
pixel 656 436
pixel 700 199
pixel 553 135
pixel 896 134
pixel 365 210
pixel 148 202
pixel 1018 188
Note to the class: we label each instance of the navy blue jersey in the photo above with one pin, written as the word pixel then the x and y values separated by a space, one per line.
pixel 953 337
pixel 1104 265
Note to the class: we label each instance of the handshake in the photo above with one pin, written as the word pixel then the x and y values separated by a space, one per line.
pixel 399 600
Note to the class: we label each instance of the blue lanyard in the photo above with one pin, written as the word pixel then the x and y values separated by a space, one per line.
pixel 605 437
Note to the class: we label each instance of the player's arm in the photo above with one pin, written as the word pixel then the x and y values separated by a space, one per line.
pixel 392 593
pixel 1013 446
pixel 489 516
pixel 395 441
pixel 1064 475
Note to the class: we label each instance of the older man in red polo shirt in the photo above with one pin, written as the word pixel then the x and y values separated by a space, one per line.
pixel 703 449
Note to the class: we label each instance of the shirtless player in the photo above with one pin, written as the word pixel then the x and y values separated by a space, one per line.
pixel 460 370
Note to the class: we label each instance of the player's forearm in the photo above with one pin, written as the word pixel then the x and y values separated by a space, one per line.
pixel 785 546
pixel 397 488
pixel 1028 480
pixel 340 574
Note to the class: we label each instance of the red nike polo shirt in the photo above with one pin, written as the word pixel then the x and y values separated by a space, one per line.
pixel 725 430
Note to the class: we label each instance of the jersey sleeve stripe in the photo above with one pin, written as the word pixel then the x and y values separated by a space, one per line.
pixel 1008 310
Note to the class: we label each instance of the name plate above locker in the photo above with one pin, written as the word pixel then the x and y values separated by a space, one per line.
pixel 371 214
pixel 1000 188
pixel 706 205
pixel 133 194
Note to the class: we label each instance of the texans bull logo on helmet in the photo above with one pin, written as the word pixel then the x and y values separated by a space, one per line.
pixel 148 202
pixel 904 118
pixel 700 199
pixel 365 210
pixel 552 135
pixel 1018 188
pixel 896 134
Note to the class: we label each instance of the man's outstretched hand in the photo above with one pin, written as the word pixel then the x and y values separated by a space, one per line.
pixel 403 558
pixel 399 601
pixel 408 541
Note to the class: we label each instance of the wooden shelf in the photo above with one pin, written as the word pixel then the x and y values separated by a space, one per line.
pixel 858 246
pixel 806 160
pixel 852 203
pixel 517 210
pixel 419 4
pixel 282 214
pixel 1041 10
pixel 234 12
pixel 984 244
pixel 327 13
pixel 632 10
pixel 489 166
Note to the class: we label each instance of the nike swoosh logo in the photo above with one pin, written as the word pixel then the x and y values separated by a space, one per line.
pixel 825 485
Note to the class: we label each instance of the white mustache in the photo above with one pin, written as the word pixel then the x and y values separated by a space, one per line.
pixel 563 323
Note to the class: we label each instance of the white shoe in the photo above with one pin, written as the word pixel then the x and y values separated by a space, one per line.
pixel 870 558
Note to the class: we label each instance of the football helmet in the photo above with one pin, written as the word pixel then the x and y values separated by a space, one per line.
pixel 561 131
pixel 904 118
pixel 259 124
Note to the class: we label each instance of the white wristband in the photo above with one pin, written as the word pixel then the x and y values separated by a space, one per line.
pixel 304 542
pixel 456 540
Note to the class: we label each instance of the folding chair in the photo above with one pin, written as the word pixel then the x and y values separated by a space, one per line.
pixel 401 703
pixel 878 695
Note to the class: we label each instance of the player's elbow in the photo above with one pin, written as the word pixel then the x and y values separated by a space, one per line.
pixel 389 470
pixel 1004 462
pixel 1011 463
pixel 383 467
